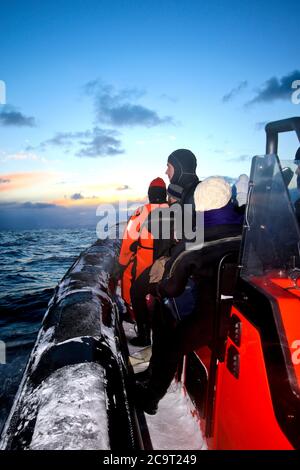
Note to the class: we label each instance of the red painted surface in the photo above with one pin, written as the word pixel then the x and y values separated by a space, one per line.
pixel 244 415
pixel 288 301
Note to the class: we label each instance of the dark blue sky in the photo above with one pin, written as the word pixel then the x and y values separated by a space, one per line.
pixel 100 92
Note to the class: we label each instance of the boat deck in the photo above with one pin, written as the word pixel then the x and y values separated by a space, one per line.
pixel 173 427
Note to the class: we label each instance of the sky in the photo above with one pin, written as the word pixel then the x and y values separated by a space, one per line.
pixel 98 93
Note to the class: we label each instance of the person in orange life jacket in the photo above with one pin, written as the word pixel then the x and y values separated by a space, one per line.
pixel 132 233
pixel 126 257
pixel 138 247
pixel 170 343
pixel 149 244
pixel 162 247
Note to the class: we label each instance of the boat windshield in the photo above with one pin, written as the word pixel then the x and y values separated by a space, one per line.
pixel 271 235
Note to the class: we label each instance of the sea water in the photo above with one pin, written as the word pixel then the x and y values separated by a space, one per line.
pixel 31 264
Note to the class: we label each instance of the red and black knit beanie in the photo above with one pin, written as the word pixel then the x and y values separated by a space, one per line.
pixel 157 192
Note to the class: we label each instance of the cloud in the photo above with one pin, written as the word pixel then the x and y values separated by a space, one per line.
pixel 234 92
pixel 4 180
pixel 120 107
pixel 76 197
pixel 80 197
pixel 165 96
pixel 60 139
pixel 90 143
pixel 240 158
pixel 63 139
pixel 11 117
pixel 22 156
pixel 101 143
pixel 275 89
pixel 37 205
pixel 123 187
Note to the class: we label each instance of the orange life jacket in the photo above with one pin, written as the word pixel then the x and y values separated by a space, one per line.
pixel 145 249
pixel 137 248
pixel 128 251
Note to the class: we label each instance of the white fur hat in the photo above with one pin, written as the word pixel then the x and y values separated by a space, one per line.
pixel 213 193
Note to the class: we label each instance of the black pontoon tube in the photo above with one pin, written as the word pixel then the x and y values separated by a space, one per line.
pixel 75 391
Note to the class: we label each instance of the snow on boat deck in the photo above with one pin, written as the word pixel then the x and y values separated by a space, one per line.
pixel 173 427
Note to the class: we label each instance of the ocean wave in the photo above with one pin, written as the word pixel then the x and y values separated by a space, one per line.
pixel 21 302
pixel 29 238
pixel 21 277
pixel 11 253
pixel 32 263
pixel 49 259
pixel 10 243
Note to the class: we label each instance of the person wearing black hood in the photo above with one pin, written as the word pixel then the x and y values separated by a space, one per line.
pixel 181 171
pixel 171 340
